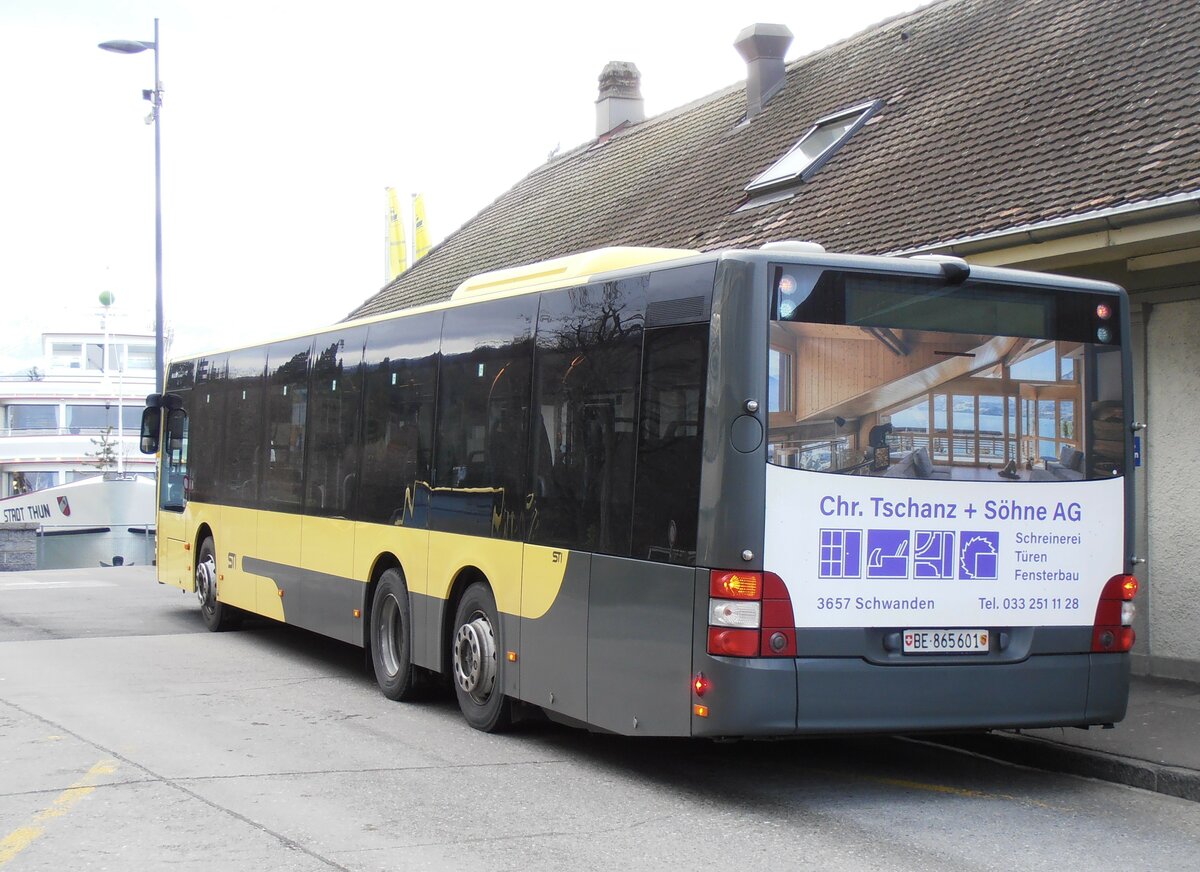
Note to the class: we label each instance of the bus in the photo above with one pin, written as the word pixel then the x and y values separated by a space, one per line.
pixel 660 492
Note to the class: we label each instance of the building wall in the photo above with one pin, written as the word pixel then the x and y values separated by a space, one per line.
pixel 18 547
pixel 1172 463
pixel 1165 307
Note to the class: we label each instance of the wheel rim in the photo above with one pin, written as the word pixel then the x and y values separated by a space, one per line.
pixel 475 657
pixel 206 584
pixel 391 635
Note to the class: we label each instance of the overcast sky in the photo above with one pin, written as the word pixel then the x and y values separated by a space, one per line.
pixel 282 124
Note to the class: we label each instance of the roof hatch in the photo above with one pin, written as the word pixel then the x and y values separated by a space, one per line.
pixel 814 148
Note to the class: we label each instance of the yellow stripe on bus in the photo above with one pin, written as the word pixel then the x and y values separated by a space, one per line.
pixel 543 576
pixel 525 578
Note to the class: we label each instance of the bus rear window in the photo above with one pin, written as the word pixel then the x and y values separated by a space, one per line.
pixel 904 377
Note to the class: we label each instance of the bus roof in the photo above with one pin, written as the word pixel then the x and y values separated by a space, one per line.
pixel 563 271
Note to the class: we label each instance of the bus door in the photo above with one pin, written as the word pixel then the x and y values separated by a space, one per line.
pixel 174 562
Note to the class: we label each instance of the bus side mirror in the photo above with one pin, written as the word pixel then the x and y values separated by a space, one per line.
pixel 151 424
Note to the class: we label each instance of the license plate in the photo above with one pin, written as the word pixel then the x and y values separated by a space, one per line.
pixel 946 641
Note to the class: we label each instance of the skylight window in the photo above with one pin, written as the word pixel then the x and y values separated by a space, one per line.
pixel 814 148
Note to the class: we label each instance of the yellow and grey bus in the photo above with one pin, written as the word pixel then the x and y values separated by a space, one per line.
pixel 662 492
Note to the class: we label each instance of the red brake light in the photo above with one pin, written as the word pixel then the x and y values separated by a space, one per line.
pixel 735 585
pixel 1115 640
pixel 701 684
pixel 732 643
pixel 1111 632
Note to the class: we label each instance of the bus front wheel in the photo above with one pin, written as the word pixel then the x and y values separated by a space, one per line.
pixel 217 615
pixel 478 666
pixel 391 637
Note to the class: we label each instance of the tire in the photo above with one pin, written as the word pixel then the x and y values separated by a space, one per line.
pixel 477 666
pixel 391 637
pixel 217 615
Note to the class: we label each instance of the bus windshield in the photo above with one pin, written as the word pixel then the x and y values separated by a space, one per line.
pixel 907 377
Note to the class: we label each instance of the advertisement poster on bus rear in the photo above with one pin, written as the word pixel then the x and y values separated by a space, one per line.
pixel 869 552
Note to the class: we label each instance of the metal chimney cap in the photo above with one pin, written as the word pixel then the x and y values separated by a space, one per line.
pixel 762 41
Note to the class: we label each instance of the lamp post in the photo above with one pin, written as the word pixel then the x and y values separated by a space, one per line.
pixel 131 46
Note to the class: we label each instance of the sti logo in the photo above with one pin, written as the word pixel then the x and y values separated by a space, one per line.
pixel 64 507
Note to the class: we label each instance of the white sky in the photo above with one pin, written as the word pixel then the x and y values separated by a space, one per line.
pixel 282 124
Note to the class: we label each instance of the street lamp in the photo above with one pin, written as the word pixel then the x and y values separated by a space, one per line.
pixel 131 46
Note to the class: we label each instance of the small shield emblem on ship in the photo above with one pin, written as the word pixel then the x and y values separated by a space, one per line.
pixel 64 507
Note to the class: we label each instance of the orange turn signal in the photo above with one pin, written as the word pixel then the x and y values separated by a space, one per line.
pixel 735 585
pixel 1129 588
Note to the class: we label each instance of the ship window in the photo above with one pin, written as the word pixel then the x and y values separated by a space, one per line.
pixel 65 355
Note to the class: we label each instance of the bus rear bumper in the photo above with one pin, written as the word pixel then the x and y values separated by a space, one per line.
pixel 813 696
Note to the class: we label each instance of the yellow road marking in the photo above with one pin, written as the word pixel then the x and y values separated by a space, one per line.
pixel 21 838
pixel 935 788
pixel 964 792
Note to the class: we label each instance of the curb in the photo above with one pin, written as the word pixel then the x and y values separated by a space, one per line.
pixel 1056 757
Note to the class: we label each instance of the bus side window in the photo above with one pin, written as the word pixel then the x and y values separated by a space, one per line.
pixel 401 366
pixel 205 409
pixel 331 471
pixel 483 418
pixel 286 422
pixel 241 432
pixel 582 452
pixel 667 496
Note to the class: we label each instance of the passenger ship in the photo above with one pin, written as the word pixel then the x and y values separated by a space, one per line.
pixel 102 521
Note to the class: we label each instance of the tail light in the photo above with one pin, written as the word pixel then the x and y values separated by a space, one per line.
pixel 735 585
pixel 750 615
pixel 732 643
pixel 1112 631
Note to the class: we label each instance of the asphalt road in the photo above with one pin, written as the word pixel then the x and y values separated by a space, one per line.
pixel 131 738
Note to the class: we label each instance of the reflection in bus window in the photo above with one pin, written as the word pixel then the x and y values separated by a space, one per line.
pixel 483 418
pixel 959 397
pixel 666 504
pixel 173 482
pixel 585 399
pixel 204 415
pixel 242 428
pixel 400 387
pixel 331 474
pixel 286 418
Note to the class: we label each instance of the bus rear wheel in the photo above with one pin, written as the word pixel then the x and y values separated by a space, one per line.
pixel 217 615
pixel 478 668
pixel 391 637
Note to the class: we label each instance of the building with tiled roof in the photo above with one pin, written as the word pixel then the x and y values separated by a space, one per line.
pixel 1049 134
pixel 995 115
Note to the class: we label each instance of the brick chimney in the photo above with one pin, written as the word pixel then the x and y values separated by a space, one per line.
pixel 620 97
pixel 763 46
